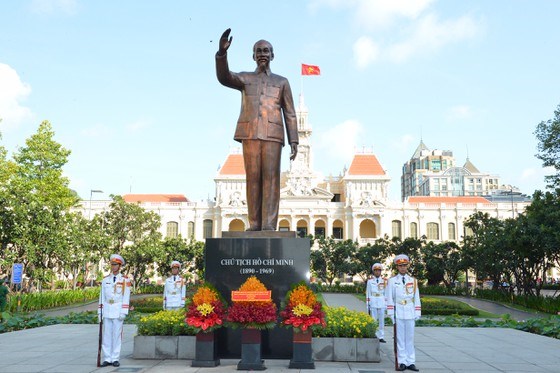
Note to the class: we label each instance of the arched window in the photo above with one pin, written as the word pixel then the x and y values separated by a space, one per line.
pixel 172 229
pixel 413 230
pixel 190 229
pixel 432 231
pixel 284 226
pixel 451 231
pixel 301 228
pixel 236 225
pixel 367 229
pixel 397 228
pixel 338 230
pixel 207 228
pixel 320 228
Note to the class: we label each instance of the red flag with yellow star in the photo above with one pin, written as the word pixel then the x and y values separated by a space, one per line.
pixel 310 69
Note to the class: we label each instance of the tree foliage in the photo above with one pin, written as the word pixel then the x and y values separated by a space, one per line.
pixel 134 234
pixel 548 134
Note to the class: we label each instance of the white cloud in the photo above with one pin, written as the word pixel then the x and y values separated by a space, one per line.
pixel 46 7
pixel 429 34
pixel 458 112
pixel 373 14
pixel 137 126
pixel 403 144
pixel 365 52
pixel 528 173
pixel 98 130
pixel 12 91
pixel 340 141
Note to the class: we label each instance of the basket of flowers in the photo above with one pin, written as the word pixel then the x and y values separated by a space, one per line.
pixel 252 309
pixel 302 310
pixel 206 313
pixel 206 310
pixel 252 306
pixel 303 313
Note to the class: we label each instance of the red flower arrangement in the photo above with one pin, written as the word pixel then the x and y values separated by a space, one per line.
pixel 206 310
pixel 257 314
pixel 302 310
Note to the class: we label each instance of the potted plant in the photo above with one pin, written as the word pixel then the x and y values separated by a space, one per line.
pixel 206 313
pixel 252 310
pixel 302 312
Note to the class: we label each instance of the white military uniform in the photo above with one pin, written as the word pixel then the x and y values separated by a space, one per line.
pixel 403 303
pixel 174 293
pixel 376 302
pixel 114 302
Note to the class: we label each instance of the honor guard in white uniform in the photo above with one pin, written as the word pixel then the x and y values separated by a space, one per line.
pixel 403 306
pixel 375 299
pixel 174 289
pixel 114 301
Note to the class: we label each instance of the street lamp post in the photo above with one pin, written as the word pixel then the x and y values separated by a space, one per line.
pixel 90 195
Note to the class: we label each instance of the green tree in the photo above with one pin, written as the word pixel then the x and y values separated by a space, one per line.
pixel 189 252
pixel 332 258
pixel 442 263
pixel 537 237
pixel 484 250
pixel 366 256
pixel 412 247
pixel 134 234
pixel 37 196
pixel 85 246
pixel 548 134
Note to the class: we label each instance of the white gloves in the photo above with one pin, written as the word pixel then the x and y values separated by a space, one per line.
pixel 98 317
pixel 122 316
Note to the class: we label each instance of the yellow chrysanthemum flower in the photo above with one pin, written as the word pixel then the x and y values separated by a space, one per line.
pixel 302 309
pixel 205 309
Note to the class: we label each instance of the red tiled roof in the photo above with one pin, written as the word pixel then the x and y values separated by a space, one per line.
pixel 134 198
pixel 233 165
pixel 365 164
pixel 448 200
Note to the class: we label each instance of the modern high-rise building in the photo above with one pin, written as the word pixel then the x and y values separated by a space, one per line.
pixel 434 173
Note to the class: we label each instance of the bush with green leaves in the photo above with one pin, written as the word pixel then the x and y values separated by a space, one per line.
pixel 149 289
pixel 442 290
pixel 148 305
pixel 356 288
pixel 165 323
pixel 50 299
pixel 342 322
pixel 539 303
pixel 434 306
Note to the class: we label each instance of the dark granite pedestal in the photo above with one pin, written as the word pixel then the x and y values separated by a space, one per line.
pixel 277 259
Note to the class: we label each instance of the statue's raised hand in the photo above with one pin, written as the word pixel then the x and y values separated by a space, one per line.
pixel 225 42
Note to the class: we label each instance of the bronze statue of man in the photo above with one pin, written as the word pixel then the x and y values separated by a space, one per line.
pixel 267 105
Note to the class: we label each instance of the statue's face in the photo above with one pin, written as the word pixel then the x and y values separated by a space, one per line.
pixel 262 53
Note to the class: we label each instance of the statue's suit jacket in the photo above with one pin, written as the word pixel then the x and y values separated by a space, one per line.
pixel 266 97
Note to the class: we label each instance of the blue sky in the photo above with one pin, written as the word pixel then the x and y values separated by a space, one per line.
pixel 130 86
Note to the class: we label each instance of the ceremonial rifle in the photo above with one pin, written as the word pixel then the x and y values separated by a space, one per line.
pixel 395 331
pixel 100 329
